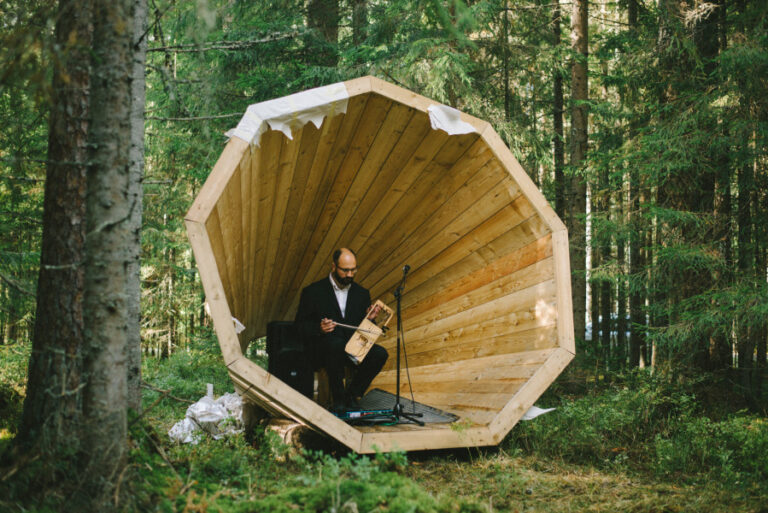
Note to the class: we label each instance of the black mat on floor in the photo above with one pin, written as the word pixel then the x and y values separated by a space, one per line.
pixel 378 399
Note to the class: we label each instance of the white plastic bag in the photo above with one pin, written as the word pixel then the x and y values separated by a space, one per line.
pixel 220 417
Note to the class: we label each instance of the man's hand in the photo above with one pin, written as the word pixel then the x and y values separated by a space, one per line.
pixel 373 311
pixel 327 325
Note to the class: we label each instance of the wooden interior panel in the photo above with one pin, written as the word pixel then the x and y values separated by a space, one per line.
pixel 213 228
pixel 361 167
pixel 498 238
pixel 457 280
pixel 306 149
pixel 315 189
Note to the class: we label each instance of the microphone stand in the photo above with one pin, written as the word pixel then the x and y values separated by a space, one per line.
pixel 397 409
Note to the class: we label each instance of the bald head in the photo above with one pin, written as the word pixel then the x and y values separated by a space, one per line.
pixel 344 266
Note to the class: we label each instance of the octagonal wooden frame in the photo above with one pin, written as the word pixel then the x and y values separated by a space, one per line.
pixel 488 313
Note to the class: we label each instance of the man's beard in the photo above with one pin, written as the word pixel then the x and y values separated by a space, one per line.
pixel 344 281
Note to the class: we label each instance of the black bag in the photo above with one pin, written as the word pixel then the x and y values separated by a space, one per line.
pixel 286 358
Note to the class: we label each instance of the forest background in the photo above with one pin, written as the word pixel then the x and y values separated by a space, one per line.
pixel 644 123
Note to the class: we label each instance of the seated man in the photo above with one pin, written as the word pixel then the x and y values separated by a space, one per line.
pixel 324 303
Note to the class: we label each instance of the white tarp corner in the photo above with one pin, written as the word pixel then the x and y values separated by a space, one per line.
pixel 448 119
pixel 291 112
pixel 535 411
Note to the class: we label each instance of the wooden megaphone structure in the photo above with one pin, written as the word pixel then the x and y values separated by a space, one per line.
pixel 399 178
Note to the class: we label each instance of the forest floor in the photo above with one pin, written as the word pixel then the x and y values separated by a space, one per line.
pixel 556 463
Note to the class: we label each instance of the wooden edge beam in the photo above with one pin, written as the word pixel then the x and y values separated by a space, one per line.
pixel 560 251
pixel 218 179
pixel 418 101
pixel 223 325
pixel 518 174
pixel 358 86
pixel 425 438
pixel 529 393
pixel 269 389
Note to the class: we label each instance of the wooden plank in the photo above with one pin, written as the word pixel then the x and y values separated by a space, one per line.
pixel 496 367
pixel 564 299
pixel 252 209
pixel 317 257
pixel 316 187
pixel 279 282
pixel 538 272
pixel 296 405
pixel 213 229
pixel 228 210
pixel 449 223
pixel 449 385
pixel 458 229
pixel 530 392
pixel 503 366
pixel 362 166
pixel 432 294
pixel 245 230
pixel 421 439
pixel 415 137
pixel 534 302
pixel 448 172
pixel 217 180
pixel 488 250
pixel 467 348
pixel 329 186
pixel 419 102
pixel 214 292
pixel 522 179
pixel 450 399
pixel 414 145
pixel 289 154
pixel 509 325
pixel 271 143
pixel 358 86
pixel 473 416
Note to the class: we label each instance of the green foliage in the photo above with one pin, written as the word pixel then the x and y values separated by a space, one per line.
pixel 354 483
pixel 645 423
pixel 185 374
pixel 734 450
pixel 13 380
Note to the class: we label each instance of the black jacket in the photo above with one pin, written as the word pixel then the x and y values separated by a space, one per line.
pixel 318 301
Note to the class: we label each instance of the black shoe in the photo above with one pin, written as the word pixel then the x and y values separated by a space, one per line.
pixel 339 408
pixel 352 402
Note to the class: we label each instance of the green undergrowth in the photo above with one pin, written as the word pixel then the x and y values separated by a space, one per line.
pixel 646 424
pixel 233 476
pixel 183 375
pixel 639 444
pixel 14 359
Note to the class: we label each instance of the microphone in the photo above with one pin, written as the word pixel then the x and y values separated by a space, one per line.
pixel 406 268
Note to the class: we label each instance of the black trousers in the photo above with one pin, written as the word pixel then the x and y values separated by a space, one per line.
pixel 334 358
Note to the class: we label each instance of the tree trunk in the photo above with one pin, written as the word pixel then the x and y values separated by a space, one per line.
pixel 359 21
pixel 52 405
pixel 557 116
pixel 133 293
pixel 323 17
pixel 578 194
pixel 111 251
